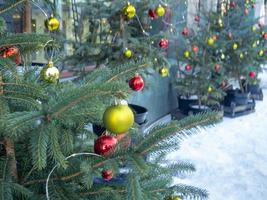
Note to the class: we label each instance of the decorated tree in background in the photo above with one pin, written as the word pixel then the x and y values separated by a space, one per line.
pixel 47 150
pixel 243 40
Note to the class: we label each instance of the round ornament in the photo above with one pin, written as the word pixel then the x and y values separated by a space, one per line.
pixel 251 74
pixel 107 174
pixel 118 119
pixel 216 67
pixel 254 45
pixel 160 11
pixel 261 53
pixel 105 144
pixel 186 54
pixel 164 71
pixel 254 28
pixel 187 67
pixel 210 41
pixel 210 89
pixel 222 56
pixel 12 52
pixel 241 55
pixel 220 23
pixel 52 23
pixel 152 14
pixel 127 53
pixel 264 36
pixel 234 46
pixel 163 43
pixel 137 83
pixel 185 31
pixel 172 198
pixel 129 11
pixel 195 49
pixel 49 73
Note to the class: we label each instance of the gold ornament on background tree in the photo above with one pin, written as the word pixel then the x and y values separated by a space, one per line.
pixel 129 11
pixel 210 41
pixel 164 71
pixel 186 54
pixel 127 53
pixel 172 198
pixel 52 23
pixel 159 10
pixel 49 73
pixel 234 46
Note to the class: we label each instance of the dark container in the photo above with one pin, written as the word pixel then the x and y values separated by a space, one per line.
pixel 195 109
pixel 237 97
pixel 253 89
pixel 140 113
pixel 184 103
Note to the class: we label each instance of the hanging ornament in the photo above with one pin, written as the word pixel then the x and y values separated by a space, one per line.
pixel 52 23
pixel 187 67
pixel 230 35
pixel 129 11
pixel 127 53
pixel 172 198
pixel 185 32
pixel 160 11
pixel 49 73
pixel 220 23
pixel 194 49
pixel 137 83
pixel 210 41
pixel 197 18
pixel 216 67
pixel 13 53
pixel 222 56
pixel 251 74
pixel 261 53
pixel 119 118
pixel 254 45
pixel 152 14
pixel 186 54
pixel 246 11
pixel 105 144
pixel 107 174
pixel 241 55
pixel 232 5
pixel 164 71
pixel 264 36
pixel 254 28
pixel 234 46
pixel 210 89
pixel 163 43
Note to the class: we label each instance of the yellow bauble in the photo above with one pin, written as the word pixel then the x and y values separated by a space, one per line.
pixel 49 73
pixel 241 55
pixel 261 52
pixel 118 119
pixel 159 11
pixel 210 41
pixel 127 53
pixel 172 198
pixel 235 46
pixel 186 54
pixel 222 56
pixel 254 28
pixel 254 45
pixel 210 89
pixel 129 11
pixel 164 71
pixel 220 23
pixel 52 23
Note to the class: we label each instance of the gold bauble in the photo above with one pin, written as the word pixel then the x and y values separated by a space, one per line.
pixel 186 54
pixel 241 55
pixel 159 11
pixel 210 41
pixel 49 73
pixel 254 45
pixel 210 89
pixel 52 23
pixel 172 198
pixel 234 46
pixel 254 28
pixel 129 11
pixel 164 71
pixel 127 53
pixel 118 119
pixel 261 52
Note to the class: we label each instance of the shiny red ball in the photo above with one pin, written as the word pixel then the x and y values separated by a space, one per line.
pixel 187 67
pixel 195 49
pixel 185 31
pixel 104 144
pixel 265 36
pixel 152 14
pixel 251 74
pixel 163 43
pixel 107 174
pixel 136 83
pixel 216 67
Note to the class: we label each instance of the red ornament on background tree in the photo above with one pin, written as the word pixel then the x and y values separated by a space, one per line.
pixel 232 5
pixel 107 174
pixel 265 36
pixel 216 67
pixel 195 49
pixel 251 74
pixel 163 43
pixel 136 83
pixel 185 31
pixel 187 67
pixel 12 52
pixel 152 14
pixel 105 144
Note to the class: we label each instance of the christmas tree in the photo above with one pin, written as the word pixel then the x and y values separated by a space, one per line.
pixel 47 150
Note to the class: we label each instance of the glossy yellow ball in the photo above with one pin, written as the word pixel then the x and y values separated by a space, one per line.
pixel 254 28
pixel 210 41
pixel 234 46
pixel 52 24
pixel 159 11
pixel 164 71
pixel 210 89
pixel 241 56
pixel 49 73
pixel 128 53
pixel 118 119
pixel 186 54
pixel 129 11
pixel 261 52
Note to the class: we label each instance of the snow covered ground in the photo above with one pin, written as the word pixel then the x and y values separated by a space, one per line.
pixel 230 158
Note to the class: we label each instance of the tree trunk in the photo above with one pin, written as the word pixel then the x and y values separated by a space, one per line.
pixel 27 19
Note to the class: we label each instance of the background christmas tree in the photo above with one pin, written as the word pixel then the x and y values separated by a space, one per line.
pixel 43 121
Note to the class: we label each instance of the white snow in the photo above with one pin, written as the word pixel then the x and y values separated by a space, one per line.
pixel 230 158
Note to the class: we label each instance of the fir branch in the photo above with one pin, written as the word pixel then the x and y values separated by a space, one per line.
pixel 10 7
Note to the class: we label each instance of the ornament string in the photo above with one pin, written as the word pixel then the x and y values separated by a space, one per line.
pixel 71 156
pixel 42 10
pixel 141 26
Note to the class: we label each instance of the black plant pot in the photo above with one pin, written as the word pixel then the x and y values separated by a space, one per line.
pixel 140 113
pixel 98 130
pixel 237 97
pixel 253 89
pixel 195 109
pixel 184 102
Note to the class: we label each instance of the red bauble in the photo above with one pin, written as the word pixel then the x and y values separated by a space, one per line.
pixel 187 67
pixel 152 14
pixel 216 67
pixel 104 144
pixel 251 74
pixel 195 49
pixel 214 37
pixel 136 83
pixel 197 18
pixel 163 43
pixel 232 5
pixel 265 36
pixel 107 174
pixel 12 52
pixel 185 31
